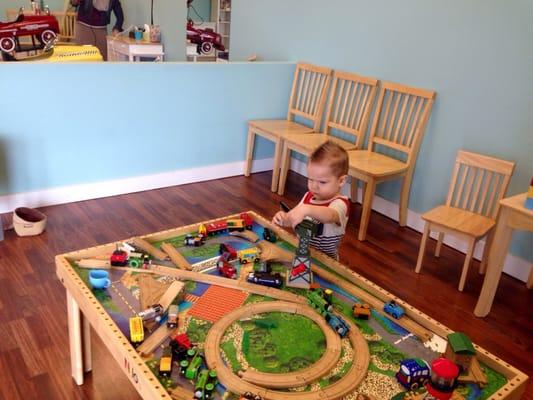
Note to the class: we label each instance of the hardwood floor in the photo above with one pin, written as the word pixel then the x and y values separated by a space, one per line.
pixel 34 352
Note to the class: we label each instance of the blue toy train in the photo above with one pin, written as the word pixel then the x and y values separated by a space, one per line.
pixel 321 301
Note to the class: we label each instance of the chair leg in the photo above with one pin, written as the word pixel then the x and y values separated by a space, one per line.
pixel 422 250
pixel 363 191
pixel 404 197
pixel 278 143
pixel 486 250
pixel 353 189
pixel 285 162
pixel 469 253
pixel 367 208
pixel 439 244
pixel 249 151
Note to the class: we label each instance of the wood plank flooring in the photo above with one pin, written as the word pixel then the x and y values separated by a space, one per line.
pixel 34 353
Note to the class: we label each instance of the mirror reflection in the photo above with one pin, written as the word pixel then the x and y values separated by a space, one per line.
pixel 115 30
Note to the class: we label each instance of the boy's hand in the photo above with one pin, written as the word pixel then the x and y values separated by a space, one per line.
pixel 297 215
pixel 280 219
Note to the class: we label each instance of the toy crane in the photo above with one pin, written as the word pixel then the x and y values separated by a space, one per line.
pixel 300 274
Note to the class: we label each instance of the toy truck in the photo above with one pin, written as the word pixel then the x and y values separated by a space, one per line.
pixel 361 311
pixel 136 330
pixel 172 320
pixel 165 363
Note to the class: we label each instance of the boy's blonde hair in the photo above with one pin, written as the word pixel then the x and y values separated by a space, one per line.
pixel 332 154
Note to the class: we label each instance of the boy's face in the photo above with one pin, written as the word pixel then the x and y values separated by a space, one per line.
pixel 321 181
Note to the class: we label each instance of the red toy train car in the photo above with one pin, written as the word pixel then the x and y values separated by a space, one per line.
pixel 41 28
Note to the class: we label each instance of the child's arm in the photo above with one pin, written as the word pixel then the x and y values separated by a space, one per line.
pixel 326 215
pixel 281 219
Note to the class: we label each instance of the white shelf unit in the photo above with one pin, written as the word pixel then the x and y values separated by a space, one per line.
pixel 221 13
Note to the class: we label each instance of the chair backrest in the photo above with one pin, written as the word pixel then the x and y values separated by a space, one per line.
pixel 479 183
pixel 67 24
pixel 308 94
pixel 11 14
pixel 350 104
pixel 400 118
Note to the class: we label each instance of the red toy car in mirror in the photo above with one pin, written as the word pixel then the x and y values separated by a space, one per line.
pixel 204 39
pixel 41 28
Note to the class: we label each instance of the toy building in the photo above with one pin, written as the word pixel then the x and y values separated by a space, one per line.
pixel 460 350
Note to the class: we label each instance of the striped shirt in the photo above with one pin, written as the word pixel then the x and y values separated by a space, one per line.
pixel 329 241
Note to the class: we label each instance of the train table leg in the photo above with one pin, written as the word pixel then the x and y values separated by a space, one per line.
pixel 87 356
pixel 75 339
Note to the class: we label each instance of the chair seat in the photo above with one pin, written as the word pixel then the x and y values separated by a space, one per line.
pixel 311 141
pixel 279 127
pixel 375 164
pixel 460 220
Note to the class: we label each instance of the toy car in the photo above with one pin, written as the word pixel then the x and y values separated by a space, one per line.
pixel 195 241
pixel 119 258
pixel 204 39
pixel 44 28
pixel 226 248
pixel 394 309
pixel 269 235
pixel 361 310
pixel 266 279
pixel 226 269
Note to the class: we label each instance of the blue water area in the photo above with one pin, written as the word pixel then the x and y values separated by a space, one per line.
pixel 200 289
pixel 185 305
pixel 390 323
pixel 329 285
pixel 475 392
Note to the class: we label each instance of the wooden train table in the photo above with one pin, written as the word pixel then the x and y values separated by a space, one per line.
pixel 274 342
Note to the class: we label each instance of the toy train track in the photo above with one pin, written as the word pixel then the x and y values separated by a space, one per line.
pixel 342 387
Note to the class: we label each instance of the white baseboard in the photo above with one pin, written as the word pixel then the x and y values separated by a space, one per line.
pixel 515 266
pixel 88 191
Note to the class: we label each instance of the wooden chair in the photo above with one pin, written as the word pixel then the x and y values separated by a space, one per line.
pixel 67 24
pixel 308 96
pixel 398 127
pixel 478 184
pixel 350 104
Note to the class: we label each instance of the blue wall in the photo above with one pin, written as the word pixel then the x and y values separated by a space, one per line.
pixel 203 7
pixel 127 120
pixel 476 54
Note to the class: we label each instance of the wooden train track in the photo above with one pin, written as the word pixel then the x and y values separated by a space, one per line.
pixel 271 252
pixel 342 387
pixel 225 282
pixel 299 378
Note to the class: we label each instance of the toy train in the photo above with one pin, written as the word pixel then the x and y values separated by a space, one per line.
pixel 322 301
pixel 192 366
pixel 233 224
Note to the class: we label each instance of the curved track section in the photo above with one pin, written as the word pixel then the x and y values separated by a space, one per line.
pixel 342 387
pixel 299 378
